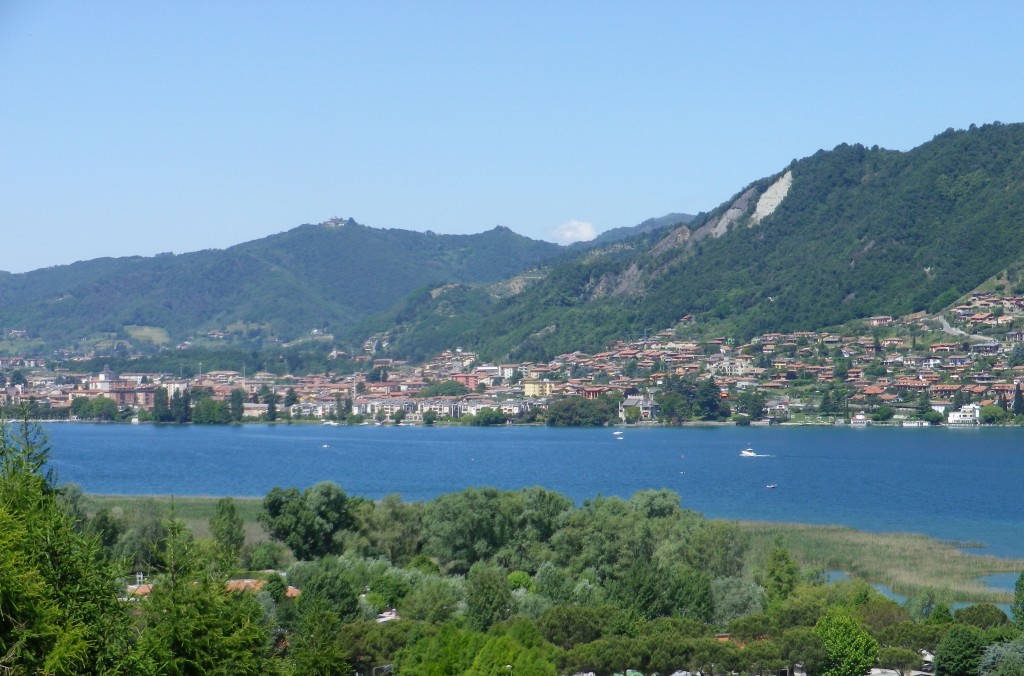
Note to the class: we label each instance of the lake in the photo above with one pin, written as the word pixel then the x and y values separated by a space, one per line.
pixel 952 484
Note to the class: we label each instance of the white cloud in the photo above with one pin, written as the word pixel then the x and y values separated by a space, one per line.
pixel 573 231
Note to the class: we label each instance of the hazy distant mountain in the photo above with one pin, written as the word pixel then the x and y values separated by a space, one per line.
pixel 650 225
pixel 329 276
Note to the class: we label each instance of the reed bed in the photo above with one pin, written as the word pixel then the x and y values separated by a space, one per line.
pixel 908 563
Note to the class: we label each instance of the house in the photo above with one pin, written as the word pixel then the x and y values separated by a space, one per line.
pixel 648 407
pixel 967 415
pixel 860 420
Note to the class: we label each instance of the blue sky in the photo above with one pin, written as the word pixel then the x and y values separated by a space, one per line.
pixel 131 128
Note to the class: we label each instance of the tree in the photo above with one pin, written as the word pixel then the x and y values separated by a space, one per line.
pixel 315 646
pixel 429 417
pixel 208 411
pixel 434 599
pixel 227 528
pixel 780 573
pixel 993 414
pixel 959 652
pixel 488 416
pixel 444 388
pixel 849 649
pixel 450 651
pixel 801 645
pixel 900 660
pixel 751 403
pixel 267 396
pixel 488 599
pixel 981 615
pixel 1018 400
pixel 883 413
pixel 193 624
pixel 307 521
pixel 567 626
pixel 879 613
pixel 327 579
pixel 826 407
pixel 181 406
pixel 1016 355
pixel 161 406
pixel 290 398
pixel 924 404
pixel 1003 659
pixel 734 598
pixel 105 408
pixel 238 398
pixel 1018 602
pixel 59 612
pixel 960 399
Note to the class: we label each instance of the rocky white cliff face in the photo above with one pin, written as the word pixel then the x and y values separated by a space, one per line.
pixel 772 198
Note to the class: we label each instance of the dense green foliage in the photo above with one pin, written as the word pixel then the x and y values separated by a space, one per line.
pixel 59 612
pixel 580 412
pixel 307 521
pixel 691 399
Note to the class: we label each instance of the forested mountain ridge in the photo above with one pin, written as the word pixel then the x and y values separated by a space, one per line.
pixel 843 234
pixel 857 231
pixel 329 275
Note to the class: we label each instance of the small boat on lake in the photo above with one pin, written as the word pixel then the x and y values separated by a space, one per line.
pixel 772 486
pixel 748 453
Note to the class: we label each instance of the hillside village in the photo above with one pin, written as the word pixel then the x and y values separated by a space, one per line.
pixel 892 370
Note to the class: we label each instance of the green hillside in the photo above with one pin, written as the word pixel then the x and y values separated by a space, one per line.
pixel 315 276
pixel 861 231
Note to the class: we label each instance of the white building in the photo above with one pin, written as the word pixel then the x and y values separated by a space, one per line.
pixel 967 415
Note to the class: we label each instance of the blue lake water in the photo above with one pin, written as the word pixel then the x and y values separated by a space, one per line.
pixel 953 484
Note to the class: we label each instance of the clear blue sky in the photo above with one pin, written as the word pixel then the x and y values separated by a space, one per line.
pixel 141 127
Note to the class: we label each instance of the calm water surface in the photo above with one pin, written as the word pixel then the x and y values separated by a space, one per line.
pixel 955 484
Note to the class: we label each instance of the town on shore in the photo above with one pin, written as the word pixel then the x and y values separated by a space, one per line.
pixel 963 368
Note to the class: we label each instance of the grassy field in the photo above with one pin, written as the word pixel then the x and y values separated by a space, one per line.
pixel 152 334
pixel 906 562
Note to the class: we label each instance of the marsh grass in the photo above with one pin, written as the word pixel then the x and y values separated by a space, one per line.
pixel 908 563
pixel 194 511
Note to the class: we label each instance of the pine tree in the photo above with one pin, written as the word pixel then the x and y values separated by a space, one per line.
pixel 1018 602
pixel 826 402
pixel 59 612
pixel 227 529
pixel 192 624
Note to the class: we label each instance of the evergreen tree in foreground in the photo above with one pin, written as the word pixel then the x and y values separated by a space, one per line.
pixel 59 612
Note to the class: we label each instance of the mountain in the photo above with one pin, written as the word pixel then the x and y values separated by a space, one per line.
pixel 650 225
pixel 329 275
pixel 843 234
